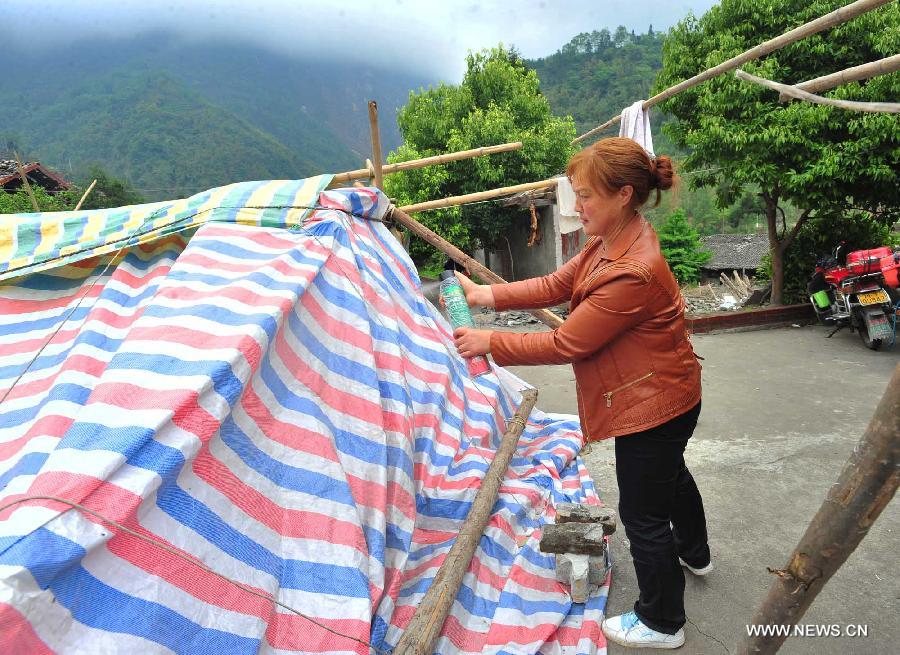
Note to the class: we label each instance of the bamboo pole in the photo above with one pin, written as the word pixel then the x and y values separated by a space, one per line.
pixel 34 202
pixel 865 487
pixel 376 143
pixel 854 74
pixel 453 201
pixel 85 195
pixel 388 169
pixel 545 316
pixel 426 624
pixel 794 92
pixel 825 22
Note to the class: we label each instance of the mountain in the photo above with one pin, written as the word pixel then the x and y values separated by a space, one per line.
pixel 594 76
pixel 174 117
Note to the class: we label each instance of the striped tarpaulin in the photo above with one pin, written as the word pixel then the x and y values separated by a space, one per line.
pixel 35 242
pixel 282 405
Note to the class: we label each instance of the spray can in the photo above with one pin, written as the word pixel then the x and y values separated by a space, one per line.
pixel 460 316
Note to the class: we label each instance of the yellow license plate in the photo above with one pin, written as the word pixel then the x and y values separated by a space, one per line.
pixel 873 298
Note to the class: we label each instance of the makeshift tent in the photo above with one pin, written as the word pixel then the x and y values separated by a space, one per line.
pixel 251 379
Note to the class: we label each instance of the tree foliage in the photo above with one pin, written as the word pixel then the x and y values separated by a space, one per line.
pixel 681 246
pixel 108 192
pixel 20 203
pixel 499 101
pixel 822 159
pixel 598 73
pixel 818 237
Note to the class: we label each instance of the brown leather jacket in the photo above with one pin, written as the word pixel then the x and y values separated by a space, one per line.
pixel 625 335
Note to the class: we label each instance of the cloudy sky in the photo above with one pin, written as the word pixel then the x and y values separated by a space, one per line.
pixel 428 36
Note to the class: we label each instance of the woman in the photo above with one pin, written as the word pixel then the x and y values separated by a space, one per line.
pixel 637 377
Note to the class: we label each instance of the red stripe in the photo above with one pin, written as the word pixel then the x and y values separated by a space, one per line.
pixel 184 403
pixel 33 306
pixel 252 300
pixel 292 632
pixel 376 495
pixel 294 523
pixel 288 434
pixel 546 632
pixel 244 343
pixel 19 638
pixel 81 363
pixel 33 345
pixel 120 505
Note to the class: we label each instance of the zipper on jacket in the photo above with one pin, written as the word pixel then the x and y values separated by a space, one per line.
pixel 610 394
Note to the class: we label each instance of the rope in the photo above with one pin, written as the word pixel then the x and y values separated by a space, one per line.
pixel 190 559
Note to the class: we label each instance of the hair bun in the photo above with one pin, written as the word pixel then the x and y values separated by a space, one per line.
pixel 663 172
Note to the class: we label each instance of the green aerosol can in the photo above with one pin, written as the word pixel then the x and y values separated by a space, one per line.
pixel 459 315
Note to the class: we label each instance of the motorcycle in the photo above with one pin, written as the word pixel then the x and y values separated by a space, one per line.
pixel 862 294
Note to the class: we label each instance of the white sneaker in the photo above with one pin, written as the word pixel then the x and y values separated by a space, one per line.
pixel 701 571
pixel 628 630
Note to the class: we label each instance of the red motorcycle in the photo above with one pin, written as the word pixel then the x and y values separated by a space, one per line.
pixel 862 294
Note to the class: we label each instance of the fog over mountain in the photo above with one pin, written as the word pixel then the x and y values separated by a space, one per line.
pixel 428 37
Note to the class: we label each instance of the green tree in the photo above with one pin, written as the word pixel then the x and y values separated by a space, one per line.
pixel 498 101
pixel 821 159
pixel 20 203
pixel 818 237
pixel 109 191
pixel 681 246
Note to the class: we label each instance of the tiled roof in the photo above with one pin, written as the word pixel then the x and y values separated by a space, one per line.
pixel 36 173
pixel 735 250
pixel 8 167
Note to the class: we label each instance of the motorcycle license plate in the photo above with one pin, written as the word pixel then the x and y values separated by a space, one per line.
pixel 873 298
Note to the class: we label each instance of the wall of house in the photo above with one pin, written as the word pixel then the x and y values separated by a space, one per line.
pixel 542 257
pixel 551 250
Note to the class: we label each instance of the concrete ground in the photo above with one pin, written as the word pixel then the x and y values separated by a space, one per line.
pixel 782 411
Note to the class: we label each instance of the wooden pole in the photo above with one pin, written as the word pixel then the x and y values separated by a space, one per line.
pixel 825 22
pixel 34 202
pixel 866 485
pixel 387 169
pixel 545 316
pixel 376 143
pixel 85 195
pixel 452 201
pixel 862 72
pixel 426 624
pixel 794 92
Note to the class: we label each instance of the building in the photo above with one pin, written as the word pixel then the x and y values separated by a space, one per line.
pixel 539 244
pixel 37 174
pixel 734 252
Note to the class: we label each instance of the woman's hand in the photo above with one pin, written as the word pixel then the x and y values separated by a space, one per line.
pixel 477 295
pixel 471 342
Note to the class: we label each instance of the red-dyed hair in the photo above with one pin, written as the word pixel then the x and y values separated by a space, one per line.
pixel 616 162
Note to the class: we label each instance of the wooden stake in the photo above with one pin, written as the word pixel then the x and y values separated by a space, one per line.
pixel 825 22
pixel 387 169
pixel 794 92
pixel 865 487
pixel 376 143
pixel 426 624
pixel 545 316
pixel 475 197
pixel 85 195
pixel 862 72
pixel 34 202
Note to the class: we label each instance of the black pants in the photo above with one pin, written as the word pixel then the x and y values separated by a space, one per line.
pixel 662 511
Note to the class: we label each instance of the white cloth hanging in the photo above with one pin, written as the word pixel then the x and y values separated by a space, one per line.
pixel 635 125
pixel 565 200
